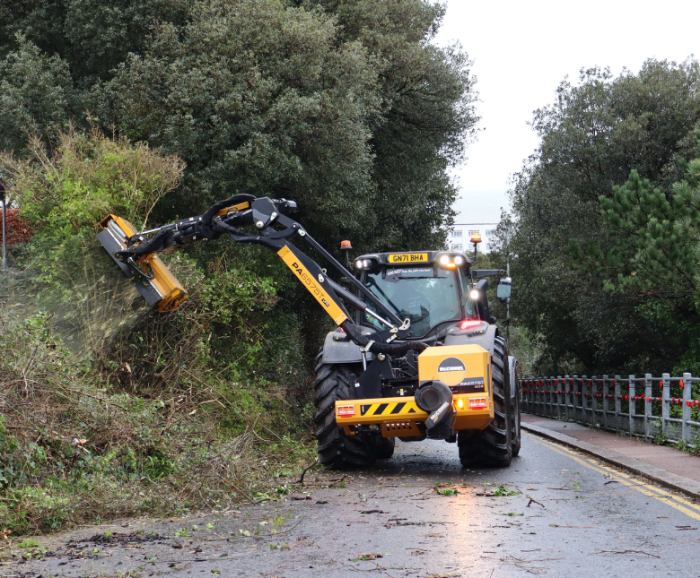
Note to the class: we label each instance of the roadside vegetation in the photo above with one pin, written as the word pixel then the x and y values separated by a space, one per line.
pixel 134 413
pixel 152 111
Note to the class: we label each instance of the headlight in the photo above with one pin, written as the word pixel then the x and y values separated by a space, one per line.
pixel 444 260
pixel 474 294
pixel 459 260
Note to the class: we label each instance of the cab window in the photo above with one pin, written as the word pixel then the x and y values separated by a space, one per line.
pixel 425 295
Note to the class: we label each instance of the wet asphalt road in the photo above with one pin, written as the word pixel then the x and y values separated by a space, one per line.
pixel 571 516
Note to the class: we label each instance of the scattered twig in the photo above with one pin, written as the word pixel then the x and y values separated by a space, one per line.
pixel 306 469
pixel 627 552
pixel 337 481
pixel 562 526
pixel 189 560
pixel 532 500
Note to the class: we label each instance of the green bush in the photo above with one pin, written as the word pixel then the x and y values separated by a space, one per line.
pixel 111 409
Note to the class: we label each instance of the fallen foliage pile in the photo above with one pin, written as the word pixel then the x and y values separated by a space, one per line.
pixel 76 449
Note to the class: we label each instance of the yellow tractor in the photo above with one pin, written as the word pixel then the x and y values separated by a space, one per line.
pixel 419 356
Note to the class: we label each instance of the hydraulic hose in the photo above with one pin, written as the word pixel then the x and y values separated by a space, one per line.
pixel 388 348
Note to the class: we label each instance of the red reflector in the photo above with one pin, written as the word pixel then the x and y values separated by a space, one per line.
pixel 478 403
pixel 346 410
pixel 467 323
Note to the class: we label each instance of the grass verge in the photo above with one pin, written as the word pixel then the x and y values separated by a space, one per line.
pixel 77 449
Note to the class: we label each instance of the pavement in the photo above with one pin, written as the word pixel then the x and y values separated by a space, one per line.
pixel 667 466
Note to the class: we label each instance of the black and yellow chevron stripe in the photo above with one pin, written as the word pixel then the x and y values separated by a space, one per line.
pixel 388 409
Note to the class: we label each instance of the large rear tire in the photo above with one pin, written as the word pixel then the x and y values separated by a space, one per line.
pixel 516 434
pixel 493 446
pixel 335 449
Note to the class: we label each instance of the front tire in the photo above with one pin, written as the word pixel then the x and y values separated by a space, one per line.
pixel 493 446
pixel 384 447
pixel 336 382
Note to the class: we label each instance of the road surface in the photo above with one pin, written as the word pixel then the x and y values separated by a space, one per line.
pixel 554 512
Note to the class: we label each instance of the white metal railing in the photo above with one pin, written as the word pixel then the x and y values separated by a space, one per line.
pixel 648 407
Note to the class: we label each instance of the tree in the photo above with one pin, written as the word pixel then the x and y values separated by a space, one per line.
pixel 256 97
pixel 36 93
pixel 653 252
pixel 355 116
pixel 427 114
pixel 592 137
pixel 91 36
pixel 346 107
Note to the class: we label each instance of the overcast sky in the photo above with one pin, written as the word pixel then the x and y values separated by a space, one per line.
pixel 522 50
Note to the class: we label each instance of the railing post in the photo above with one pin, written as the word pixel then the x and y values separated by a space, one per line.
pixel 687 396
pixel 567 392
pixel 631 404
pixel 558 397
pixel 594 399
pixel 665 402
pixel 618 402
pixel 606 404
pixel 647 404
pixel 528 398
pixel 553 411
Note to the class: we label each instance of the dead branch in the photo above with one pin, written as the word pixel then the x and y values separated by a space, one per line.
pixel 532 500
pixel 306 469
pixel 627 552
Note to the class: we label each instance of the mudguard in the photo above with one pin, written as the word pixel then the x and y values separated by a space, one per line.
pixel 512 366
pixel 338 348
pixel 484 337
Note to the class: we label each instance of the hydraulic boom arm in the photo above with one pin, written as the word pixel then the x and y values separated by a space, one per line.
pixel 136 255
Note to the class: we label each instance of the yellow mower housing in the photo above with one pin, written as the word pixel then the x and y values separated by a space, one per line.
pixel 154 280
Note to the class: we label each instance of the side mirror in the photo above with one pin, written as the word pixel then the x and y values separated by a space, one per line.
pixel 504 289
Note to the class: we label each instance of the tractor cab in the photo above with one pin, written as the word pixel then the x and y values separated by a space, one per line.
pixel 431 289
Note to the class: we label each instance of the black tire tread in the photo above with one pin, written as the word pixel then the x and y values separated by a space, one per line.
pixel 517 430
pixel 335 449
pixel 384 447
pixel 492 446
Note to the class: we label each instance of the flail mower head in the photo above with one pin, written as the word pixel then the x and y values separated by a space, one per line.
pixel 154 280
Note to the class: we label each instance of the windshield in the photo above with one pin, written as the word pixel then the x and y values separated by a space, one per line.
pixel 427 296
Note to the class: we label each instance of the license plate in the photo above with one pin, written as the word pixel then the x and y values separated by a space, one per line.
pixel 408 258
